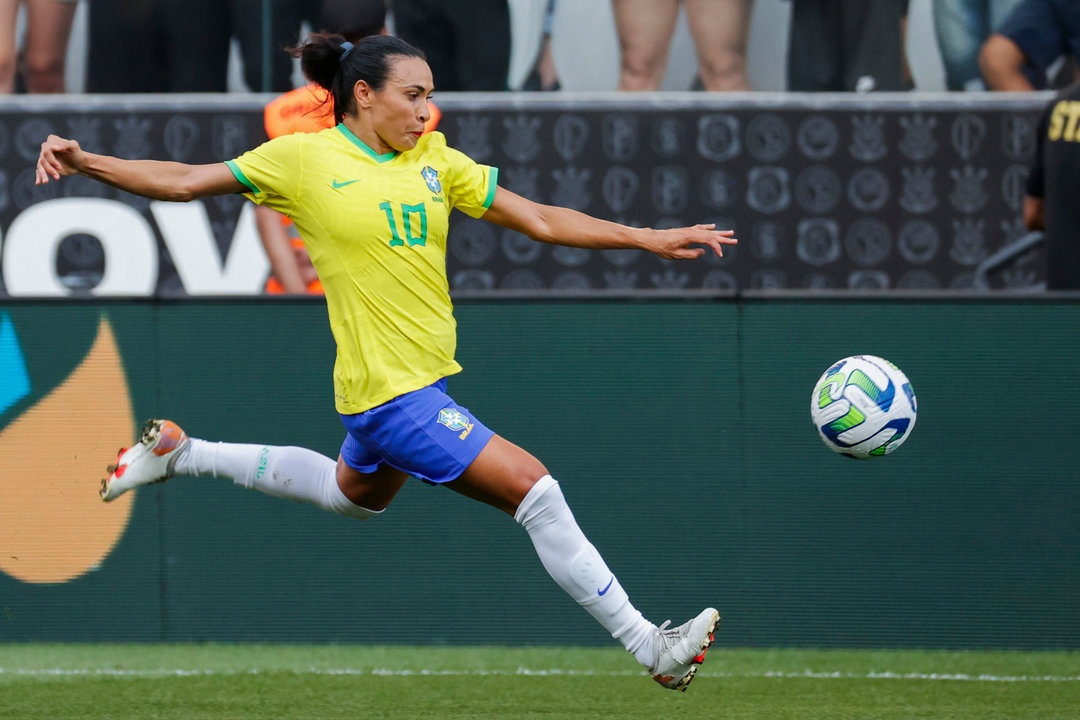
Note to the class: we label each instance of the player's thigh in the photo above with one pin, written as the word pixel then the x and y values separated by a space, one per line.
pixel 719 27
pixel 645 28
pixel 48 27
pixel 373 490
pixel 9 11
pixel 501 475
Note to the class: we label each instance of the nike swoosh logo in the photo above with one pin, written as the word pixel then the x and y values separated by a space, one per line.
pixel 337 185
pixel 606 587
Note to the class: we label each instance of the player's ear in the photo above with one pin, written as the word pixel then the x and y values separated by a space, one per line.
pixel 363 94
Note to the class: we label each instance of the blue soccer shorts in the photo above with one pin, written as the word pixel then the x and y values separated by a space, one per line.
pixel 424 432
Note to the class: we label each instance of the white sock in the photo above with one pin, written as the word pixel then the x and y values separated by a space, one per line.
pixel 577 567
pixel 293 473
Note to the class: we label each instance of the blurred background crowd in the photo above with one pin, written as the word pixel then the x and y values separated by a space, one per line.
pixel 149 46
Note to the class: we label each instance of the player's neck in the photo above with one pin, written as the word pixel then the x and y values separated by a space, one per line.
pixel 365 133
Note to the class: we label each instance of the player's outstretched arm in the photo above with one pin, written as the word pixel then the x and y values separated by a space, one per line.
pixel 562 226
pixel 155 179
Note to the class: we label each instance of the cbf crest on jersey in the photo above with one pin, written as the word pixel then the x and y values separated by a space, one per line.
pixel 453 419
pixel 431 177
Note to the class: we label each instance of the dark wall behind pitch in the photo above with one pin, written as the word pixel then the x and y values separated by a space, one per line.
pixel 680 433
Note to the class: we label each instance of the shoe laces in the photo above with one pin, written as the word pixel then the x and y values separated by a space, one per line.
pixel 667 637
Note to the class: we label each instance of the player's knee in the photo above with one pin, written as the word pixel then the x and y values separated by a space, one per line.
pixel 344 506
pixel 725 72
pixel 640 71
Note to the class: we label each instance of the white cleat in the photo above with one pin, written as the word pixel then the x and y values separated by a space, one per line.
pixel 150 460
pixel 681 649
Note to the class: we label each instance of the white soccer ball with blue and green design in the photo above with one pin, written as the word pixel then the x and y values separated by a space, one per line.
pixel 863 407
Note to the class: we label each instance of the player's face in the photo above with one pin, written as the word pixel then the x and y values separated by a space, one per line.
pixel 401 108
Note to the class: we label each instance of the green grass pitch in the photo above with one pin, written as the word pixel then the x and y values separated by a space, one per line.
pixel 224 682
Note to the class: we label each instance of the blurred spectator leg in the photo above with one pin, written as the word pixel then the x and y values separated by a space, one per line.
pixel 9 11
pixel 248 28
pixel 48 28
pixel 873 46
pixel 481 66
pixel 126 48
pixel 961 27
pixel 645 28
pixel 719 29
pixel 814 47
pixel 424 24
pixel 197 44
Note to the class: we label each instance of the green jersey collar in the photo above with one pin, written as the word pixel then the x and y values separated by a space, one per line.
pixel 363 146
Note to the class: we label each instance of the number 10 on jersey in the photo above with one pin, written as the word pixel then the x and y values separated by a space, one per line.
pixel 413 218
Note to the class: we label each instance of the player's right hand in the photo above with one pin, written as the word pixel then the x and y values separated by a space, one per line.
pixel 59 156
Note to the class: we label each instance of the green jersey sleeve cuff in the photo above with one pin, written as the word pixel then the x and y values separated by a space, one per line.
pixel 239 175
pixel 493 183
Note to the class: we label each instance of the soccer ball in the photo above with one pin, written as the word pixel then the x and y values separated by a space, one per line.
pixel 863 407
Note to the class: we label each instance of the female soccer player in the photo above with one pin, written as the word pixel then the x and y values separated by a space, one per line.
pixel 371 198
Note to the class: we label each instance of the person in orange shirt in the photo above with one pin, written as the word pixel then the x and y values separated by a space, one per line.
pixel 307 110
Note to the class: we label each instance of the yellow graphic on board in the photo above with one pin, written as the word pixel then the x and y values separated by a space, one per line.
pixel 53 525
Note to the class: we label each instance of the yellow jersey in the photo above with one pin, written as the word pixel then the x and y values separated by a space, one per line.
pixel 375 227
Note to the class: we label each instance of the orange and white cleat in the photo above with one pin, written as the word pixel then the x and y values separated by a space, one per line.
pixel 681 649
pixel 150 460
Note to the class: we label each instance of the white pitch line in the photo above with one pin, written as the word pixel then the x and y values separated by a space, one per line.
pixel 392 672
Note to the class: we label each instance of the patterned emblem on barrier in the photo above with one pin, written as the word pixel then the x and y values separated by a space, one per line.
pixel 868 189
pixel 968 195
pixel 620 188
pixel 918 242
pixel 619 137
pixel 522 142
pixel 868 140
pixel 818 137
pixel 228 135
pixel 767 189
pixel 570 136
pixel 818 189
pixel 918 194
pixel 181 136
pixel 969 247
pixel 668 137
pixel 918 142
pixel 519 249
pixel 868 280
pixel 523 180
pixel 1014 186
pixel 1018 137
pixel 818 242
pixel 571 188
pixel 767 241
pixel 473 133
pixel 476 243
pixel 868 241
pixel 717 188
pixel 718 137
pixel 768 137
pixel 968 131
pixel 28 137
pixel 670 188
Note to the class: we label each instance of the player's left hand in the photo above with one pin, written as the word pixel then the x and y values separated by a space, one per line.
pixel 688 243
